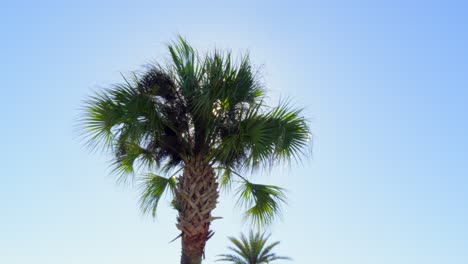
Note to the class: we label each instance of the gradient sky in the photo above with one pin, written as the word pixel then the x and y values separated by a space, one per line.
pixel 384 85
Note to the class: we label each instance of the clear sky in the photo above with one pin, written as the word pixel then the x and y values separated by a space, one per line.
pixel 384 85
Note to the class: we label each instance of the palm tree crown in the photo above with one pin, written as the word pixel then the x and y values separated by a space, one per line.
pixel 251 250
pixel 203 116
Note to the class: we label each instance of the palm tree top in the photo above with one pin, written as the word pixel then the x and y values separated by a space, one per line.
pixel 252 250
pixel 198 110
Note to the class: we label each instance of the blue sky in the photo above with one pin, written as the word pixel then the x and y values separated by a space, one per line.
pixel 384 85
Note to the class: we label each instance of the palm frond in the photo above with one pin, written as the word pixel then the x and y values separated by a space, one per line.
pixel 101 115
pixel 225 179
pixel 244 86
pixel 267 256
pixel 251 250
pixel 262 202
pixel 277 135
pixel 291 130
pixel 185 64
pixel 231 258
pixel 138 122
pixel 241 246
pixel 261 139
pixel 153 188
pixel 256 242
pixel 120 113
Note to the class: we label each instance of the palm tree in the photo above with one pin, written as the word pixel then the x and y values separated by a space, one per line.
pixel 200 123
pixel 252 250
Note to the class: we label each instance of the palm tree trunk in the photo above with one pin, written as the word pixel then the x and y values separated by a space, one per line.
pixel 196 197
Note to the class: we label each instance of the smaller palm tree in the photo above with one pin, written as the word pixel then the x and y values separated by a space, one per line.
pixel 252 250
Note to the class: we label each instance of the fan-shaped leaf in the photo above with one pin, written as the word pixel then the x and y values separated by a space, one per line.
pixel 153 188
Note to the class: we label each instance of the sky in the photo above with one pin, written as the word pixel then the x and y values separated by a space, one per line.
pixel 385 87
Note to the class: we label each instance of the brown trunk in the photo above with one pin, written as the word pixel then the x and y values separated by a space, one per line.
pixel 196 197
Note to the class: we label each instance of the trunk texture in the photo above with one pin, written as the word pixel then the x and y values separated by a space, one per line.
pixel 196 197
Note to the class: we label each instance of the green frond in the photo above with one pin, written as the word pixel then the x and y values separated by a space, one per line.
pixel 134 121
pixel 291 129
pixel 231 151
pixel 256 242
pixel 263 202
pixel 251 250
pixel 153 188
pixel 263 139
pixel 125 157
pixel 128 157
pixel 280 134
pixel 259 138
pixel 185 63
pixel 245 88
pixel 231 258
pixel 266 250
pixel 241 246
pixel 225 179
pixel 226 86
pixel 101 115
pixel 122 113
